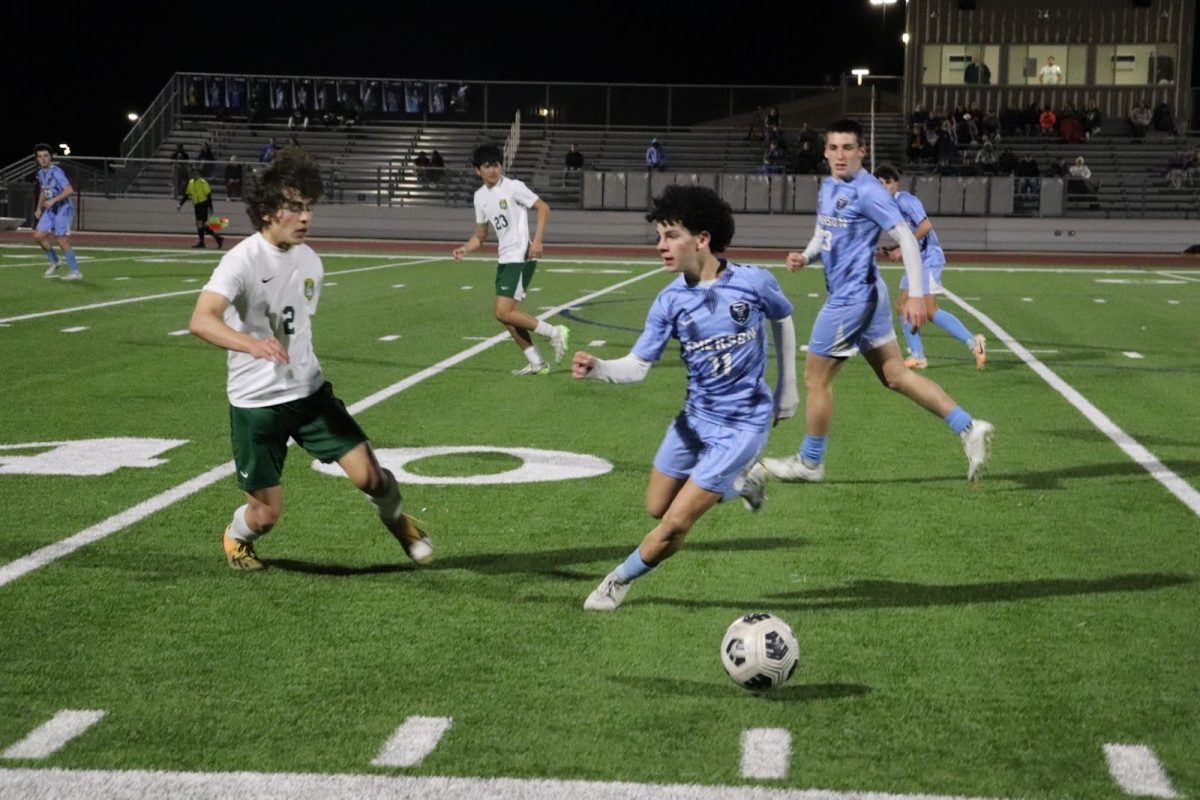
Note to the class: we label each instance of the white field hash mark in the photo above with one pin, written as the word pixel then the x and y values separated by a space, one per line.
pixel 66 784
pixel 50 737
pixel 1136 770
pixel 412 741
pixel 766 752
pixel 52 552
pixel 1183 491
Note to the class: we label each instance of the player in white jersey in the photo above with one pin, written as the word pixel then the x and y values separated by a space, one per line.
pixel 853 209
pixel 718 311
pixel 259 305
pixel 503 204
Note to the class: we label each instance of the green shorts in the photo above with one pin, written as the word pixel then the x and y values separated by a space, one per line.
pixel 319 423
pixel 512 280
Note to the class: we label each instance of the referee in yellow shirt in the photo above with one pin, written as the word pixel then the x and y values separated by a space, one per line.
pixel 200 193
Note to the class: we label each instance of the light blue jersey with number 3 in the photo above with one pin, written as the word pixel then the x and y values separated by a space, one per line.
pixel 721 328
pixel 851 214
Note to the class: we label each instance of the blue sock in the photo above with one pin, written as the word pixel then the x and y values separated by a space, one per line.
pixel 951 325
pixel 633 567
pixel 914 341
pixel 52 256
pixel 958 420
pixel 71 262
pixel 813 449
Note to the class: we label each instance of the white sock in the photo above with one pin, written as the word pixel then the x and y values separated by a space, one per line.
pixel 533 356
pixel 545 329
pixel 241 531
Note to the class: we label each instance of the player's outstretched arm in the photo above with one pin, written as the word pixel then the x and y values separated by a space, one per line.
pixel 629 369
pixel 787 398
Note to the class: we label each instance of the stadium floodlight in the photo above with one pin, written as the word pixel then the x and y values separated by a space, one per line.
pixel 883 2
pixel 66 149
pixel 904 37
pixel 132 116
pixel 859 73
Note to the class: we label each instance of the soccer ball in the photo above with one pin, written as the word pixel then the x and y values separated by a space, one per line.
pixel 760 651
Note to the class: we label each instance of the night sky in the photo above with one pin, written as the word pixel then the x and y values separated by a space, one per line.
pixel 81 72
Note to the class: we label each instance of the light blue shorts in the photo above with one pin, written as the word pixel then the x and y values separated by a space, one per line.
pixel 839 331
pixel 711 455
pixel 932 279
pixel 57 222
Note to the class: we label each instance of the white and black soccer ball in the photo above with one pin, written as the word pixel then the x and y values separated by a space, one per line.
pixel 760 651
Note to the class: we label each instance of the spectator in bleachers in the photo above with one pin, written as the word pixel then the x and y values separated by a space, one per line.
pixel 656 159
pixel 1033 117
pixel 1047 121
pixel 205 158
pixel 573 160
pixel 1080 182
pixel 421 167
pixel 1029 176
pixel 916 141
pixel 437 167
pixel 1093 119
pixel 1139 120
pixel 1193 167
pixel 989 127
pixel 807 158
pixel 807 134
pixel 919 116
pixel 298 119
pixel 1177 169
pixel 946 148
pixel 1163 119
pixel 1071 130
pixel 1012 121
pixel 772 125
pixel 1007 163
pixel 233 178
pixel 967 130
pixel 179 169
pixel 774 161
pixel 986 159
pixel 268 151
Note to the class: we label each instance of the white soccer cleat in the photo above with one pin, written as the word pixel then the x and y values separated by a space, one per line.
pixel 562 335
pixel 751 485
pixel 793 470
pixel 533 369
pixel 607 596
pixel 50 270
pixel 977 444
pixel 73 276
pixel 979 349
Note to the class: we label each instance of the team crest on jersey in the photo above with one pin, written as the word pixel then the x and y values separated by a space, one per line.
pixel 740 312
pixel 842 202
pixel 503 204
pixel 310 288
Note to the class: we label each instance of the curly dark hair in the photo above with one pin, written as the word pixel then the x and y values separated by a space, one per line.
pixel 886 172
pixel 697 208
pixel 487 154
pixel 291 168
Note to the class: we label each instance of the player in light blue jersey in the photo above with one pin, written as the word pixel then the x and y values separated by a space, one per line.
pixel 718 311
pixel 933 260
pixel 853 209
pixel 54 213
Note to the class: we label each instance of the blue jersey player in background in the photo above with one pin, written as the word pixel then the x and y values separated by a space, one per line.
pixel 933 260
pixel 718 311
pixel 853 209
pixel 54 213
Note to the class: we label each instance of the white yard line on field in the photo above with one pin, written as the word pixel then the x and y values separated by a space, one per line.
pixel 52 736
pixel 148 297
pixel 766 752
pixel 1176 485
pixel 1136 770
pixel 1180 277
pixel 39 558
pixel 64 784
pixel 412 742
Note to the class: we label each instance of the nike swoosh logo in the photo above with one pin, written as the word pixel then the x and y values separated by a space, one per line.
pixel 268 280
pixel 244 474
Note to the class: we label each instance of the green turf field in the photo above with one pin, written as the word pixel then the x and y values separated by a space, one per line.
pixel 957 640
